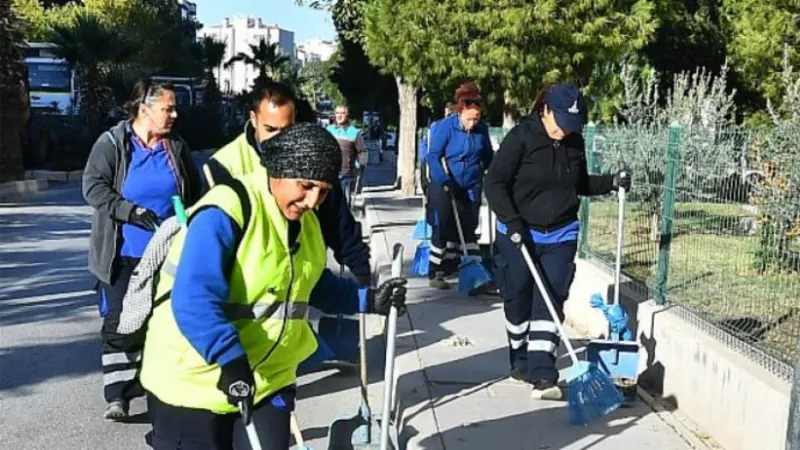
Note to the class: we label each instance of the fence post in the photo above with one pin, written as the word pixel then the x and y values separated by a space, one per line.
pixel 793 429
pixel 583 247
pixel 670 181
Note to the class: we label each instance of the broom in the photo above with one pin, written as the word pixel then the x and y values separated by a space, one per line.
pixel 590 393
pixel 423 231
pixel 423 252
pixel 471 272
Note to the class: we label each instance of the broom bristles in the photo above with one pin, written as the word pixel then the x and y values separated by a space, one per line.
pixel 591 394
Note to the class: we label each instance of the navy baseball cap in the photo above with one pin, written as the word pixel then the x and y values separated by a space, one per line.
pixel 568 106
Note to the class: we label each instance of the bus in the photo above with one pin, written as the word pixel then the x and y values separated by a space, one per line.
pixel 52 84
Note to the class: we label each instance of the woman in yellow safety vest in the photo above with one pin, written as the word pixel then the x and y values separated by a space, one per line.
pixel 231 326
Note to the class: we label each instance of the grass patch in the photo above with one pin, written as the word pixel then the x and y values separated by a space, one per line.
pixel 711 267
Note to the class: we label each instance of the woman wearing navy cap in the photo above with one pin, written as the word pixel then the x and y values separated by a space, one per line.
pixel 533 186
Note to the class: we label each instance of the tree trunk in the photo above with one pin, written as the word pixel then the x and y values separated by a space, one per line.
pixel 509 119
pixel 655 227
pixel 11 127
pixel 407 99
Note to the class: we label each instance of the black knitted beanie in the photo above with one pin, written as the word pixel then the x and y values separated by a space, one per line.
pixel 304 151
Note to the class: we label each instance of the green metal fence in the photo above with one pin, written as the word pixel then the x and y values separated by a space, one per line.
pixel 699 226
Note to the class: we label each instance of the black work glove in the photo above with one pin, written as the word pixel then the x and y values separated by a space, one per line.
pixel 364 280
pixel 518 232
pixel 391 292
pixel 450 186
pixel 622 179
pixel 237 383
pixel 143 218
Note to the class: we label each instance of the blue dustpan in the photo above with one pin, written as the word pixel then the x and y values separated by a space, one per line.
pixel 313 362
pixel 472 275
pixel 617 356
pixel 341 335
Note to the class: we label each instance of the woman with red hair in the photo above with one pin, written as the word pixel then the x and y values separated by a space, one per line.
pixel 460 151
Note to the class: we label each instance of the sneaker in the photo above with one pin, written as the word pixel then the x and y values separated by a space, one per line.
pixel 438 282
pixel 116 410
pixel 546 390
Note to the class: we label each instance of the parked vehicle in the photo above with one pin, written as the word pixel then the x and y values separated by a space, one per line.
pixel 53 87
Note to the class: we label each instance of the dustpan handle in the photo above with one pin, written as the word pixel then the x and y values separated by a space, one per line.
pixel 620 235
pixel 546 296
pixel 391 335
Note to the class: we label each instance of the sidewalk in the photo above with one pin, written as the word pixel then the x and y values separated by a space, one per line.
pixel 452 368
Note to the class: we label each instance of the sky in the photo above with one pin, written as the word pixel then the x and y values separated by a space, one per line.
pixel 305 22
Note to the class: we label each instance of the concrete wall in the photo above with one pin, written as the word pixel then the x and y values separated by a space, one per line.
pixel 739 404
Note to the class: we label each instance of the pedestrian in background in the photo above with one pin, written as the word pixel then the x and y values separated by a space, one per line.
pixel 458 154
pixel 132 173
pixel 354 152
pixel 533 186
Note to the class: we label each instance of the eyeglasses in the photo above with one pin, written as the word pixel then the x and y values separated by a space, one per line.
pixel 472 102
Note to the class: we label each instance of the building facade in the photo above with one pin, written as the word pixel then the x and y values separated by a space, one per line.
pixel 188 10
pixel 315 50
pixel 239 33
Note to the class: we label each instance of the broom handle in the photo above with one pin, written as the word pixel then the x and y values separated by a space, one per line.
pixel 362 348
pixel 209 176
pixel 458 225
pixel 455 215
pixel 543 290
pixel 297 433
pixel 620 231
pixel 391 338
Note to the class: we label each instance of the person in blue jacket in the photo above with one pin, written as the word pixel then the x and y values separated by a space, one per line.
pixel 425 179
pixel 131 175
pixel 459 153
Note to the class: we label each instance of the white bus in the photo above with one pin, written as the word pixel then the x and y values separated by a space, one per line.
pixel 51 83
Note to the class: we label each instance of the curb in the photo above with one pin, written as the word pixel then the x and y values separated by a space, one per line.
pixel 72 176
pixel 682 426
pixel 14 189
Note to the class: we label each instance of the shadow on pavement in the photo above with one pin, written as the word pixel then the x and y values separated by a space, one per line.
pixel 38 363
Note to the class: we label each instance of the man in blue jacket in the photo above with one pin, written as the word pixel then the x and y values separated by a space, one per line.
pixel 460 150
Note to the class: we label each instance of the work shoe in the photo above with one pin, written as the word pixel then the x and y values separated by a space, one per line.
pixel 519 375
pixel 546 390
pixel 438 282
pixel 116 410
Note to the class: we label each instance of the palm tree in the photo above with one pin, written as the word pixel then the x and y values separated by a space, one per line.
pixel 213 52
pixel 264 57
pixel 13 95
pixel 91 47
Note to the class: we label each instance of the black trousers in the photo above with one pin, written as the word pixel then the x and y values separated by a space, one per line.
pixel 198 429
pixel 532 335
pixel 122 354
pixel 445 246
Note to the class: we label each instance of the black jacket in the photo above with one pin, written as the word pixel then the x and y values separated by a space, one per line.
pixel 535 181
pixel 102 186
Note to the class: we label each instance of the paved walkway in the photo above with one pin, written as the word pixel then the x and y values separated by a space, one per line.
pixel 453 361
